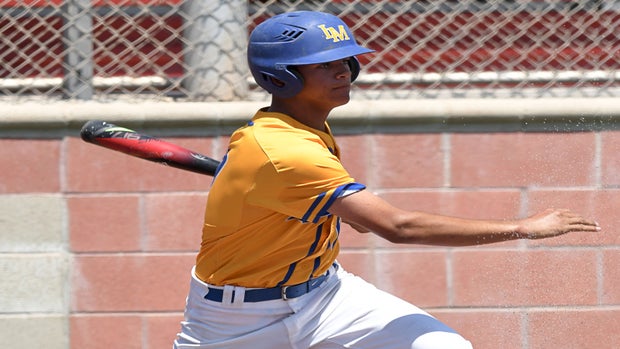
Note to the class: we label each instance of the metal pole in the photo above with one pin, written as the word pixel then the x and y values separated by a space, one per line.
pixel 216 38
pixel 78 61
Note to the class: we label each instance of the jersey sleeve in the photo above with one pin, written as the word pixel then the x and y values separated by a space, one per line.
pixel 302 180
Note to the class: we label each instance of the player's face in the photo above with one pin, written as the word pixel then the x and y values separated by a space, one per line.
pixel 327 84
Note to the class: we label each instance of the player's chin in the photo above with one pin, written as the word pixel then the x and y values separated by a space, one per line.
pixel 340 101
pixel 341 95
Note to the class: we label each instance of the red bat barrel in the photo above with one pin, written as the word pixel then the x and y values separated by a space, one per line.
pixel 146 147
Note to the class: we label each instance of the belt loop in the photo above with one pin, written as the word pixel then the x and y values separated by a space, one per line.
pixel 238 296
pixel 228 295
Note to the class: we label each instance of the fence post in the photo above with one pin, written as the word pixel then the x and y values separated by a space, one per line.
pixel 78 62
pixel 216 40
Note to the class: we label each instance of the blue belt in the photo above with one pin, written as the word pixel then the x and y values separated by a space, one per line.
pixel 268 294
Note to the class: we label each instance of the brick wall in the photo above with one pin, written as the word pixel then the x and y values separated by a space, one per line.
pixel 96 246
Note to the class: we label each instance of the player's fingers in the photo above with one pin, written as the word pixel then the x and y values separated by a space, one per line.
pixel 581 224
pixel 577 220
pixel 585 227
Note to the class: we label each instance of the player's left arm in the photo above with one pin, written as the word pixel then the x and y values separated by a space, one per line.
pixel 359 228
pixel 374 214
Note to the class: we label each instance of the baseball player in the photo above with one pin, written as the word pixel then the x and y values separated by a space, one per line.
pixel 266 275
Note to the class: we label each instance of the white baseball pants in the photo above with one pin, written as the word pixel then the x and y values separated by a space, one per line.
pixel 344 312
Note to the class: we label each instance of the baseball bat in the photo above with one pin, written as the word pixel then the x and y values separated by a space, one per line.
pixel 146 147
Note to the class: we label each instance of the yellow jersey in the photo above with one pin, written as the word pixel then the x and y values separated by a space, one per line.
pixel 267 220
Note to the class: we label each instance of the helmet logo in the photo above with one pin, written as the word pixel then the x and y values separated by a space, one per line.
pixel 334 34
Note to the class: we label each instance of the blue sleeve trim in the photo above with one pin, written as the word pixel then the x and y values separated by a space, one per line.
pixel 341 191
pixel 312 207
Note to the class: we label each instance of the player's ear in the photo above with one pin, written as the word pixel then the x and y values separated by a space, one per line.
pixel 293 82
pixel 276 82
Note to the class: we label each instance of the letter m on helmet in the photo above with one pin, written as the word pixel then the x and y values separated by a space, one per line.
pixel 333 34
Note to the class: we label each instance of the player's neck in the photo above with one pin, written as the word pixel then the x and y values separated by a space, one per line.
pixel 305 113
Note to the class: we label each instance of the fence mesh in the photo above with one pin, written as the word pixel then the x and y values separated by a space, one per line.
pixel 195 49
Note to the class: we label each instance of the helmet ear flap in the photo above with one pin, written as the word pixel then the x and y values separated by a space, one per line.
pixel 298 81
pixel 354 66
pixel 285 85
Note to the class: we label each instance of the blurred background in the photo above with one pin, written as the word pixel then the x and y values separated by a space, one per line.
pixel 195 50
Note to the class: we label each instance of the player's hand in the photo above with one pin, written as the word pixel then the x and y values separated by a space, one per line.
pixel 554 222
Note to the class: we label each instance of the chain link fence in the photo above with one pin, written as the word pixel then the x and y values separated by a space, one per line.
pixel 194 50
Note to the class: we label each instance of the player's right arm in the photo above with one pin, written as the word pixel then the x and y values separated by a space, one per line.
pixel 399 226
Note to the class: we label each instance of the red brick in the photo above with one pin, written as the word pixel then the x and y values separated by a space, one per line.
pixel 161 330
pixel 610 161
pixel 351 238
pixel 131 282
pixel 523 159
pixel 479 204
pixel 486 329
pixel 152 331
pixel 599 206
pixel 355 156
pixel 95 169
pixel 520 278
pixel 174 221
pixel 611 277
pixel 30 166
pixel 406 160
pixel 419 277
pixel 220 145
pixel 106 331
pixel 360 263
pixel 104 223
pixel 587 328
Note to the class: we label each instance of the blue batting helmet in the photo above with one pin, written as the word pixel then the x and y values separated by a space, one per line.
pixel 298 38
